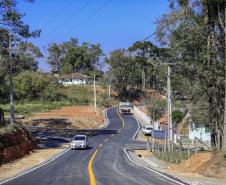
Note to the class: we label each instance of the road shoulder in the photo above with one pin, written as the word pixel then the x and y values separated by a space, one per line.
pixel 145 158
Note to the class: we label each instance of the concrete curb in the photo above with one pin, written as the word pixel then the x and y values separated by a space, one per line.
pixel 164 175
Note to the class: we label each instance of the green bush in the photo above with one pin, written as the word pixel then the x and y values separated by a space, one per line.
pixel 30 85
pixel 9 128
pixel 177 116
pixel 225 155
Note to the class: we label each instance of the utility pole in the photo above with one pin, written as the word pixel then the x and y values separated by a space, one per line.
pixel 94 93
pixel 12 113
pixel 109 88
pixel 170 133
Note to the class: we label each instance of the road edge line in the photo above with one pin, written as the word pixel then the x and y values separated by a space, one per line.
pixel 36 167
pixel 148 168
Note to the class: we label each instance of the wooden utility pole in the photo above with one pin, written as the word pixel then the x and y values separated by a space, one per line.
pixel 94 93
pixel 12 113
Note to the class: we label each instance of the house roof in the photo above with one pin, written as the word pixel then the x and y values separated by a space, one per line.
pixel 73 75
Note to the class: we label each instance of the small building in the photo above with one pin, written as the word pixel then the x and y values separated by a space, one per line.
pixel 199 131
pixel 73 79
pixel 137 53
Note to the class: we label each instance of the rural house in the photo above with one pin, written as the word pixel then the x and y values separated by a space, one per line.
pixel 73 79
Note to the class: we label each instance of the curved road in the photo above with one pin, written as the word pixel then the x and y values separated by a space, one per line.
pixel 105 160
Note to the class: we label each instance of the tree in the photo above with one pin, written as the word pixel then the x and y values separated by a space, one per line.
pixel 54 57
pixel 69 57
pixel 30 85
pixel 124 72
pixel 13 29
pixel 193 35
pixel 157 108
pixel 26 57
pixel 142 51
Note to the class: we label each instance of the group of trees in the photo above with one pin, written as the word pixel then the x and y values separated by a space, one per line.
pixel 19 76
pixel 194 33
pixel 137 68
pixel 13 31
pixel 71 57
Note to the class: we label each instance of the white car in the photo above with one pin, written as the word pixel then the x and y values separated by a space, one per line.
pixel 147 130
pixel 79 141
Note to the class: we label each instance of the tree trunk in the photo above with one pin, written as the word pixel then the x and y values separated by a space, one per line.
pixel 2 121
pixel 224 132
pixel 12 114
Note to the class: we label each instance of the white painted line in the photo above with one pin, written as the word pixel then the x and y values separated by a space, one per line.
pixel 32 169
pixel 150 169
pixel 136 133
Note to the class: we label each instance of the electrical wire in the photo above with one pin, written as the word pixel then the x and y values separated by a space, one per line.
pixel 72 15
pixel 88 17
pixel 60 11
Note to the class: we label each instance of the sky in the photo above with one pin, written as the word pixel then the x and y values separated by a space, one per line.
pixel 112 23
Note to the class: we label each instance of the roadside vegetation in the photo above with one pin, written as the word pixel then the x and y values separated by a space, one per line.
pixel 9 128
pixel 174 157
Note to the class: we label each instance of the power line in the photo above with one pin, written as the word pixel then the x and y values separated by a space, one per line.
pixel 57 14
pixel 88 17
pixel 149 36
pixel 72 15
pixel 68 18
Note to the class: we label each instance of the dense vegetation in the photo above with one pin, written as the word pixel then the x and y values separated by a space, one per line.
pixel 71 57
pixel 194 33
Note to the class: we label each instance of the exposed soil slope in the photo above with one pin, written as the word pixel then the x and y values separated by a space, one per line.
pixel 76 117
pixel 15 145
pixel 211 164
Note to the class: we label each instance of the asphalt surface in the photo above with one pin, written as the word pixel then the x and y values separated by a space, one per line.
pixel 110 165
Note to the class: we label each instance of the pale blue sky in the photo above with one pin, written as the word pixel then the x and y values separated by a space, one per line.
pixel 112 23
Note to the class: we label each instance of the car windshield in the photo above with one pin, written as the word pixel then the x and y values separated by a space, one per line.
pixel 148 128
pixel 79 138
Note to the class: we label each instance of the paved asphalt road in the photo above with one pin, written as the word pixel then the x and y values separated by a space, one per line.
pixel 110 165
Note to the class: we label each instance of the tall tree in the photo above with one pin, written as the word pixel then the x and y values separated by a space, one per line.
pixel 192 32
pixel 13 29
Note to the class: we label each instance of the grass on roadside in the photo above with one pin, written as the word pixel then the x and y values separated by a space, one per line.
pixel 173 157
pixel 71 95
pixel 9 128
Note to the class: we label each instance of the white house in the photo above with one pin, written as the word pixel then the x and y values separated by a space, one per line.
pixel 137 53
pixel 199 131
pixel 73 79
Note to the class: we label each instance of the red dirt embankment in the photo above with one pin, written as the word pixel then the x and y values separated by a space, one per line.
pixel 211 164
pixel 15 145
